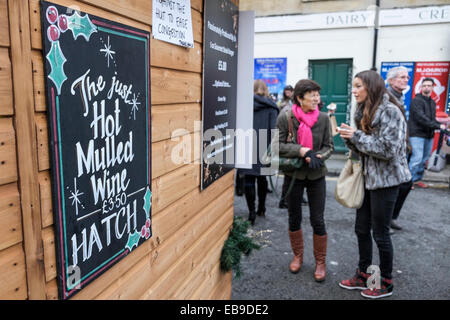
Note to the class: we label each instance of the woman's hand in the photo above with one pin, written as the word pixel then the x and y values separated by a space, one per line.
pixel 346 131
pixel 315 161
pixel 303 151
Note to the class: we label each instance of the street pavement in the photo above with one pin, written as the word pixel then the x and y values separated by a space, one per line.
pixel 421 251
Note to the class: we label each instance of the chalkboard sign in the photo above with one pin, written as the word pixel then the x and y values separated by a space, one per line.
pixel 220 48
pixel 97 76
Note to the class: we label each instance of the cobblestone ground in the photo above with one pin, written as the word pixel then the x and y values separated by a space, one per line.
pixel 421 251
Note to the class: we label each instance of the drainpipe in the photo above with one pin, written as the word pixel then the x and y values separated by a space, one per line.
pixel 375 35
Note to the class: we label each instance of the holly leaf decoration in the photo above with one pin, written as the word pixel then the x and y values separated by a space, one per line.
pixel 56 58
pixel 133 240
pixel 81 26
pixel 147 202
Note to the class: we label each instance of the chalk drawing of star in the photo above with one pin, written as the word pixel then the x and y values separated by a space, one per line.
pixel 108 52
pixel 75 196
pixel 134 108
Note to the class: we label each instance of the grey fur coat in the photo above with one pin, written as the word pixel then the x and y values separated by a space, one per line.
pixel 383 152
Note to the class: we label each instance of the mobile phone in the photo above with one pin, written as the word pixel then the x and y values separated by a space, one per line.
pixel 340 129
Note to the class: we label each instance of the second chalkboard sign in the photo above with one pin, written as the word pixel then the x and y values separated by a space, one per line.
pixel 220 48
pixel 98 100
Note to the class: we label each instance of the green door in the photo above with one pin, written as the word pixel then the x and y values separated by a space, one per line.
pixel 335 78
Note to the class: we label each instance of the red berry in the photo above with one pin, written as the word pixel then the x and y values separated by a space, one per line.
pixel 62 23
pixel 147 235
pixel 53 33
pixel 143 231
pixel 147 223
pixel 52 14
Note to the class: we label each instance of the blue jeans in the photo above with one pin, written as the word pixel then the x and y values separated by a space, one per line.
pixel 421 151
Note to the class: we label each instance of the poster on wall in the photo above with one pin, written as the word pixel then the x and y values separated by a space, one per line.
pixel 172 22
pixel 448 97
pixel 97 76
pixel 438 71
pixel 273 72
pixel 219 89
pixel 386 66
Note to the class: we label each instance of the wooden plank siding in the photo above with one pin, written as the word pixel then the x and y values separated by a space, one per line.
pixel 4 26
pixel 181 259
pixel 8 152
pixel 13 279
pixel 10 220
pixel 27 168
pixel 6 97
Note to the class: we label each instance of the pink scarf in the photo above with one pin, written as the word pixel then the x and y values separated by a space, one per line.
pixel 307 120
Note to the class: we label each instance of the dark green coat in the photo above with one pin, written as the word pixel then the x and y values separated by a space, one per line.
pixel 322 144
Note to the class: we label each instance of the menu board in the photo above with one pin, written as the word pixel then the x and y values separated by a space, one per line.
pixel 219 89
pixel 97 75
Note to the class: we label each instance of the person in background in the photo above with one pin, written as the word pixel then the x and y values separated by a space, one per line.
pixel 380 141
pixel 273 97
pixel 286 100
pixel 397 79
pixel 265 113
pixel 313 142
pixel 422 123
pixel 331 110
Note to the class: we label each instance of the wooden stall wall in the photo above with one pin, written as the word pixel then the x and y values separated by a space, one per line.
pixel 13 281
pixel 181 260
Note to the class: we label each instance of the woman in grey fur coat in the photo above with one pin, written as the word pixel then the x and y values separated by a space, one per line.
pixel 380 142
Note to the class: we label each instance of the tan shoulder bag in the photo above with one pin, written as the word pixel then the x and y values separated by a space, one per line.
pixel 350 185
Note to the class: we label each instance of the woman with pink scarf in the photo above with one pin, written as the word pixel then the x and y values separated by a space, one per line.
pixel 312 141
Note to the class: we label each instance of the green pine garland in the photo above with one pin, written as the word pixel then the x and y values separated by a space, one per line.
pixel 237 243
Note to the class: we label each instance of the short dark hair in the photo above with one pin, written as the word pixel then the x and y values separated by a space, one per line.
pixel 428 79
pixel 304 86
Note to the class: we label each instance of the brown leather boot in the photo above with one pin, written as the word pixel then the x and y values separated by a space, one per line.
pixel 320 253
pixel 296 238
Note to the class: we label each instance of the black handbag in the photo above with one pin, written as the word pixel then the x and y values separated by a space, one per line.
pixel 282 163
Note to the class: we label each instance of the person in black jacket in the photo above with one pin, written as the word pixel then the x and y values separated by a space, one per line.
pixel 265 113
pixel 421 124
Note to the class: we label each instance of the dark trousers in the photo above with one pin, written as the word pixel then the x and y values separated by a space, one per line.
pixel 250 192
pixel 239 185
pixel 376 214
pixel 403 192
pixel 316 191
pixel 284 190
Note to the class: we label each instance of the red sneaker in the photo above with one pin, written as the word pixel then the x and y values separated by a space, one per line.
pixel 421 185
pixel 358 282
pixel 385 290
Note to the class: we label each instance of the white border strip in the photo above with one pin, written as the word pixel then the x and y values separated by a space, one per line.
pixel 354 19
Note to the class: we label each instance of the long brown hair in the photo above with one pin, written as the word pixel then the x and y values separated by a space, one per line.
pixel 260 88
pixel 375 87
